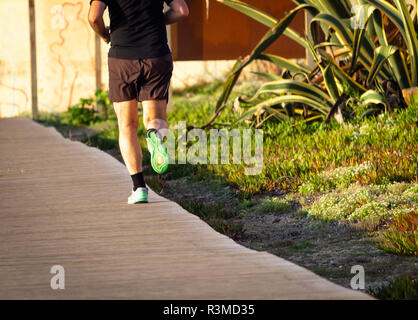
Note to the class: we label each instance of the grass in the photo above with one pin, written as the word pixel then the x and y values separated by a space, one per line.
pixel 402 235
pixel 266 205
pixel 298 156
pixel 302 245
pixel 402 288
pixel 216 215
pixel 247 204
pixel 273 205
pixel 103 140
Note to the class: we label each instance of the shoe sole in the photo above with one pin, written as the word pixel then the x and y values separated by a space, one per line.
pixel 158 149
pixel 140 201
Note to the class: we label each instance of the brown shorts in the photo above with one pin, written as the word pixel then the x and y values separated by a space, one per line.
pixel 143 79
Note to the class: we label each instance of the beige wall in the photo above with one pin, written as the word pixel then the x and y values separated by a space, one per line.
pixel 14 57
pixel 65 55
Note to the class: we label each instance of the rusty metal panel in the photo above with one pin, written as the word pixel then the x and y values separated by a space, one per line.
pixel 227 34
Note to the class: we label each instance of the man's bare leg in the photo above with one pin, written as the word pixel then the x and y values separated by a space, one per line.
pixel 127 113
pixel 155 115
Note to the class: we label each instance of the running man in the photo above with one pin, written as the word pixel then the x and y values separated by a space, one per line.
pixel 140 68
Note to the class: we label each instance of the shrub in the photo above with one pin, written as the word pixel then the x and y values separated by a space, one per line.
pixel 102 101
pixel 79 114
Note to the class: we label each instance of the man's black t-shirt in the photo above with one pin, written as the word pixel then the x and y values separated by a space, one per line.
pixel 137 28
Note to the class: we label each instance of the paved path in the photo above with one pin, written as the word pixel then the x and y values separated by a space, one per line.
pixel 64 203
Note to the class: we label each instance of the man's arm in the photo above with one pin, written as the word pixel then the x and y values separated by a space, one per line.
pixel 96 11
pixel 178 9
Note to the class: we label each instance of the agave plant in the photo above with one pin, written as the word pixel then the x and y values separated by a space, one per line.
pixel 366 44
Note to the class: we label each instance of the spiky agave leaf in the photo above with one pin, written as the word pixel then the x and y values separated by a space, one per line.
pixel 272 35
pixel 280 101
pixel 400 16
pixel 284 63
pixel 283 86
pixel 373 97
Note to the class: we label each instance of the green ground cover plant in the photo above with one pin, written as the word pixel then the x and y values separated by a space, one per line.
pixel 402 288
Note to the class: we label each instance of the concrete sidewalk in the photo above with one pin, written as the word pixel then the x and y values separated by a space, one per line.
pixel 64 203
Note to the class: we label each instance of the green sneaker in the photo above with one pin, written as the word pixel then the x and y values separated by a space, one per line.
pixel 140 195
pixel 159 156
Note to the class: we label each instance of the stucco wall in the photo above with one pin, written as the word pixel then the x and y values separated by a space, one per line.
pixel 14 57
pixel 65 55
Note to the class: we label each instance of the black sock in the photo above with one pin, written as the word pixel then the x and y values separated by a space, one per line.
pixel 152 130
pixel 138 180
